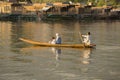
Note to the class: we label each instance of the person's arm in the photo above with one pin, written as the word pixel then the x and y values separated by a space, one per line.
pixel 84 36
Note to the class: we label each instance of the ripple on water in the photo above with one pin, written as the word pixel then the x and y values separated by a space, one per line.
pixel 102 47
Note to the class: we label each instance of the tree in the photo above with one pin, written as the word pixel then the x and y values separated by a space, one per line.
pixel 97 2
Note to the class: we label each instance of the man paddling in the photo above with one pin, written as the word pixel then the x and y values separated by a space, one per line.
pixel 87 39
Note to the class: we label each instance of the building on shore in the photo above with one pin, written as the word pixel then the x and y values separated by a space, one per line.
pixel 5 7
pixel 65 9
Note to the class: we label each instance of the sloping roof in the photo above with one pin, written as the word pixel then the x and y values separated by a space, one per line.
pixel 59 4
pixel 37 6
pixel 29 8
pixel 5 4
pixel 46 8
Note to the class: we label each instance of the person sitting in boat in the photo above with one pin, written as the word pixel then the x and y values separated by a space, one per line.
pixel 87 39
pixel 58 39
pixel 53 41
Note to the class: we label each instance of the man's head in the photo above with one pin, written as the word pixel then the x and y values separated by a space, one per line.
pixel 88 33
pixel 57 34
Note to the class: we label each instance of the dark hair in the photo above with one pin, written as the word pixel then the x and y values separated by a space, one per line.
pixel 88 33
pixel 53 37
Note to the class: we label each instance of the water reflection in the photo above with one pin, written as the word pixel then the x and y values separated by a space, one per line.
pixel 40 61
pixel 85 57
pixel 57 52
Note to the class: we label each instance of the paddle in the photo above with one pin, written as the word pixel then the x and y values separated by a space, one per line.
pixel 81 38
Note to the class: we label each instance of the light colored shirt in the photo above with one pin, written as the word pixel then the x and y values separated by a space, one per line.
pixel 53 41
pixel 58 40
pixel 86 39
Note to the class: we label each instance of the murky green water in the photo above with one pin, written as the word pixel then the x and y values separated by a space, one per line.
pixel 22 61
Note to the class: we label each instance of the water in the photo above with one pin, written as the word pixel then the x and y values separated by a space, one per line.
pixel 22 61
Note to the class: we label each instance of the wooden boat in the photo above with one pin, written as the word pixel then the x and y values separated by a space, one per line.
pixel 37 43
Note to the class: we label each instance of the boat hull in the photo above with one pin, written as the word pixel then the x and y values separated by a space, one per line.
pixel 54 45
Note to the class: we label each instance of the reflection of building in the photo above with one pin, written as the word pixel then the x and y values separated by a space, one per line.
pixel 5 32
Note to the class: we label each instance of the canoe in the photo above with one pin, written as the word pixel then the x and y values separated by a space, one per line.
pixel 37 43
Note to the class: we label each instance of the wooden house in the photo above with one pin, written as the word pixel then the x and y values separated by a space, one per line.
pixel 5 7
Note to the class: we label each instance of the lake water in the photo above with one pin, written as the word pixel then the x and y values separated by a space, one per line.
pixel 22 61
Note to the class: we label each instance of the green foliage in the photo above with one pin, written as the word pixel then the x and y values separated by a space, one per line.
pixel 100 3
pixel 112 2
pixel 96 2
pixel 59 0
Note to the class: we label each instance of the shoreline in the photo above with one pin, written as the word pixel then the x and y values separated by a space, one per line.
pixel 33 17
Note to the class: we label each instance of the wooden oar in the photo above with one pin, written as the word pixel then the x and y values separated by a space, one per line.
pixel 81 37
